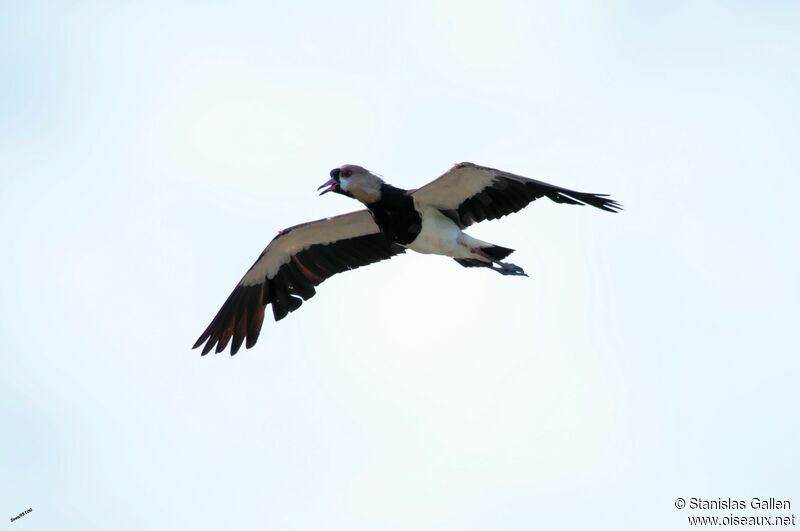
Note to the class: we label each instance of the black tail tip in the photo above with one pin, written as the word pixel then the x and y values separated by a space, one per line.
pixel 496 252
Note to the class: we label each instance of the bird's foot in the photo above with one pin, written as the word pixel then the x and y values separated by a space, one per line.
pixel 509 269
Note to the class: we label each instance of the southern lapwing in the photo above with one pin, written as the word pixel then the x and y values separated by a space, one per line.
pixel 428 220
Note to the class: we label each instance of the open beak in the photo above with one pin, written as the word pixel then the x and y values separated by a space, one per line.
pixel 332 186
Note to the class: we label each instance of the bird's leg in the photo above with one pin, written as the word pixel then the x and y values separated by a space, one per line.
pixel 504 268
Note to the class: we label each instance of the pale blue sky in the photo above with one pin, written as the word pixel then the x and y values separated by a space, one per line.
pixel 148 152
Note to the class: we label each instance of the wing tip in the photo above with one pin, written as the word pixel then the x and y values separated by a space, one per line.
pixel 205 337
pixel 601 201
pixel 208 347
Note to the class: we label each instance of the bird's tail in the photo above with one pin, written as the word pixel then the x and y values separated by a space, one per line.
pixel 496 252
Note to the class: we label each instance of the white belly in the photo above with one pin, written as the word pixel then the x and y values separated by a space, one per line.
pixel 440 235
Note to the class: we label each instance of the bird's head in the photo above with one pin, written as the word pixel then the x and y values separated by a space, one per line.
pixel 354 181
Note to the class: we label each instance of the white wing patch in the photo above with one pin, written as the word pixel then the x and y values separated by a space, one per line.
pixel 325 231
pixel 460 182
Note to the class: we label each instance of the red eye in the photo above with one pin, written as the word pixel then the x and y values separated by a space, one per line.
pixel 347 172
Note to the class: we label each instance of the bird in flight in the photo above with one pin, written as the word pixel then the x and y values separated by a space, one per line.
pixel 428 220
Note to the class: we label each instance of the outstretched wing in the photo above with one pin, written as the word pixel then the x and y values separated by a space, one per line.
pixel 469 193
pixel 285 274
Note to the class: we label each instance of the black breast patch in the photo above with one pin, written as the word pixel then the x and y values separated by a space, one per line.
pixel 396 216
